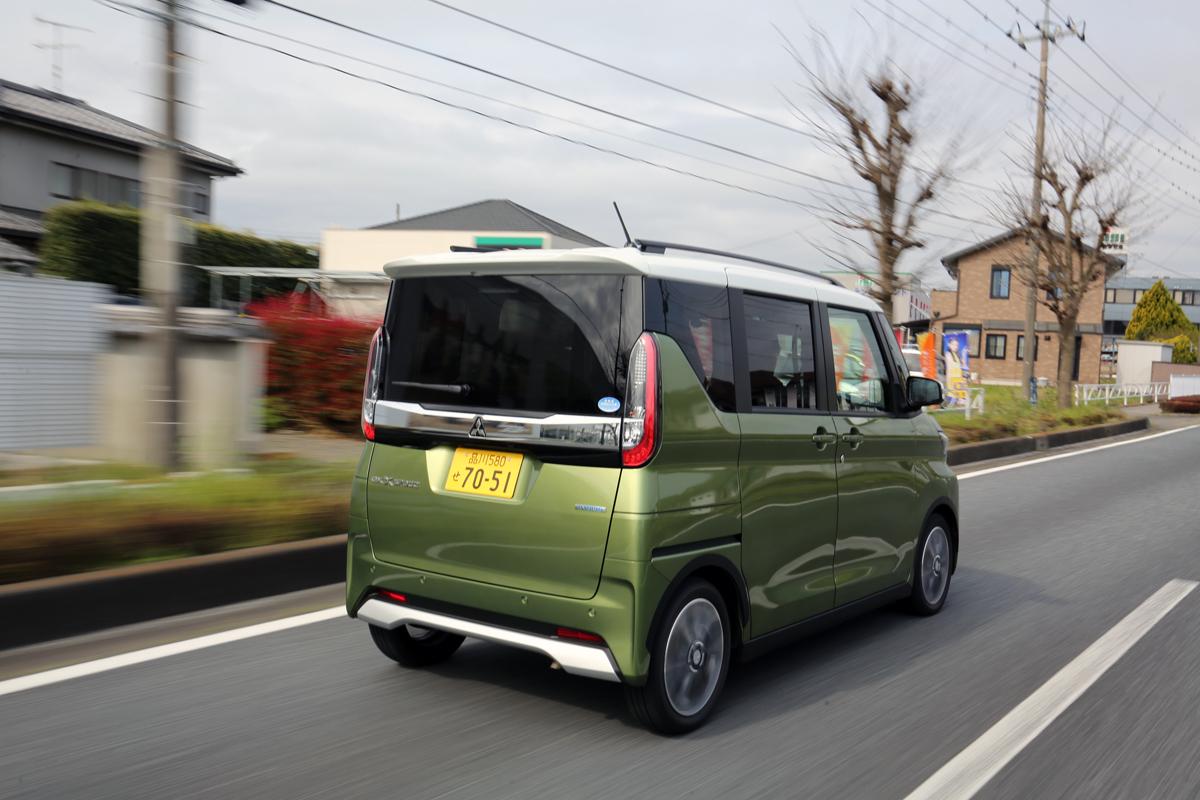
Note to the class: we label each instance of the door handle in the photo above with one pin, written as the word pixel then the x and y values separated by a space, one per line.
pixel 823 438
pixel 853 438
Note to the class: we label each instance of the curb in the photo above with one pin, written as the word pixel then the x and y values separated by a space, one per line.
pixel 69 605
pixel 1018 445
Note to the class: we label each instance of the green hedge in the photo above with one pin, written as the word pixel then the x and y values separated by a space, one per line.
pixel 96 242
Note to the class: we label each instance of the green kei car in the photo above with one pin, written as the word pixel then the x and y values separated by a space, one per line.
pixel 641 464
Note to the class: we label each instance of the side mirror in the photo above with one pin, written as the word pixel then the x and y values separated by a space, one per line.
pixel 922 392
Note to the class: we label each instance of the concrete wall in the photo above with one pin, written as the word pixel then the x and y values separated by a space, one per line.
pixel 1161 371
pixel 222 371
pixel 26 155
pixel 973 305
pixel 1135 360
pixel 358 250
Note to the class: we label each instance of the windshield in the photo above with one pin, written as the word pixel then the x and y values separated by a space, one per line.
pixel 536 344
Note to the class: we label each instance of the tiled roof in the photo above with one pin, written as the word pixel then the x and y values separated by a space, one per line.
pixel 12 222
pixel 15 254
pixel 72 114
pixel 488 215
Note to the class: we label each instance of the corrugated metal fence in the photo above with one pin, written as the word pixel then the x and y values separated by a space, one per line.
pixel 1184 386
pixel 52 333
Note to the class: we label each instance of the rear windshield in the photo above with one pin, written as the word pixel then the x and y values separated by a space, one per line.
pixel 534 344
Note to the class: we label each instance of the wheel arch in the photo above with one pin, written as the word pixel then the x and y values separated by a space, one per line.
pixel 724 575
pixel 944 508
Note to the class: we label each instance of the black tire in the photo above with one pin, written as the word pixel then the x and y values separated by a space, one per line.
pixel 932 567
pixel 653 704
pixel 418 647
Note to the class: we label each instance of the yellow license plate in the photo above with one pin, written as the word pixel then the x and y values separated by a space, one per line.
pixel 484 472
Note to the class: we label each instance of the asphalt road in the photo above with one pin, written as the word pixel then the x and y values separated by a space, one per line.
pixel 1054 555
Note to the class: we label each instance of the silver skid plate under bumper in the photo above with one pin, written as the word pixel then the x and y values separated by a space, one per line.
pixel 578 659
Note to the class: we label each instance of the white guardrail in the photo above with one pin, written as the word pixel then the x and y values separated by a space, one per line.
pixel 1108 392
pixel 1183 386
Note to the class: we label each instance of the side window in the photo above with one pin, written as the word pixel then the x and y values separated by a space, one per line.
pixel 859 371
pixel 696 316
pixel 779 350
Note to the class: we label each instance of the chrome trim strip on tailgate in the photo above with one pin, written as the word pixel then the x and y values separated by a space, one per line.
pixel 567 430
pixel 578 659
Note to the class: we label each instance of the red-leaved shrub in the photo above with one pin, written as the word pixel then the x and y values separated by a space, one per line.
pixel 316 363
pixel 1182 405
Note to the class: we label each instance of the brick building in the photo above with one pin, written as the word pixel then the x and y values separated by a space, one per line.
pixel 989 304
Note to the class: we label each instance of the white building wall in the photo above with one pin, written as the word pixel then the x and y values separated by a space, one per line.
pixel 359 250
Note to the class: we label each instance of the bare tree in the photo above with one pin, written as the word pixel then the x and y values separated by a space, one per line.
pixel 875 133
pixel 1087 188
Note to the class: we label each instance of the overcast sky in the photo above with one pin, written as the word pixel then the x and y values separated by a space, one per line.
pixel 322 149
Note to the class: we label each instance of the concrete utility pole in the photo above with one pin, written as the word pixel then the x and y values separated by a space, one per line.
pixel 56 48
pixel 1046 34
pixel 159 270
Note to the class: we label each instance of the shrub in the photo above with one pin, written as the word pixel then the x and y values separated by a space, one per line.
pixel 315 366
pixel 1185 349
pixel 1157 316
pixel 91 241
pixel 1182 405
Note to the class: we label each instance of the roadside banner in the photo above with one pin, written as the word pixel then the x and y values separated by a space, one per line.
pixel 927 343
pixel 956 347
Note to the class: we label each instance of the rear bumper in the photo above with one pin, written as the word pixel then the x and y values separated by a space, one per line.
pixel 578 659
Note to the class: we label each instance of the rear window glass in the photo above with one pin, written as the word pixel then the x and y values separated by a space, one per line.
pixel 525 344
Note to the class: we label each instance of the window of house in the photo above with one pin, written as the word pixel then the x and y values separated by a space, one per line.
pixel 200 203
pixel 1054 294
pixel 1188 298
pixel 1137 295
pixel 860 373
pixel 1001 280
pixel 1124 296
pixel 1110 295
pixel 1021 348
pixel 779 353
pixel 61 181
pixel 972 335
pixel 997 345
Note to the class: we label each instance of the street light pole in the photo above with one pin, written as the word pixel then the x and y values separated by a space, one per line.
pixel 159 268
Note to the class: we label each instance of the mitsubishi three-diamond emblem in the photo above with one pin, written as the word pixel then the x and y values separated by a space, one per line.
pixel 477 428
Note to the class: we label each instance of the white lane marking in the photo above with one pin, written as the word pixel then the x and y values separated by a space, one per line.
pixel 163 650
pixel 979 472
pixel 970 770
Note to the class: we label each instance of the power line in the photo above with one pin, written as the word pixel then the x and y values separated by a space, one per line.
pixel 764 176
pixel 559 96
pixel 988 75
pixel 628 72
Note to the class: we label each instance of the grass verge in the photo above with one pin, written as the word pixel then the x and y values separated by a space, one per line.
pixel 279 501
pixel 1008 413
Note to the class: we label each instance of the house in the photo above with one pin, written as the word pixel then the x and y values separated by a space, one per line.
pixel 989 304
pixel 55 148
pixel 500 224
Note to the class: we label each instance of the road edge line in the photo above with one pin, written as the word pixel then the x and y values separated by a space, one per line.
pixel 969 771
pixel 52 676
pixel 1005 467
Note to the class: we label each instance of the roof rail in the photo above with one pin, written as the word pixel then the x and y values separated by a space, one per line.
pixel 650 246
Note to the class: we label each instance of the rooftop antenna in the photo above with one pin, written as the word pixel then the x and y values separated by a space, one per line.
pixel 620 219
pixel 57 46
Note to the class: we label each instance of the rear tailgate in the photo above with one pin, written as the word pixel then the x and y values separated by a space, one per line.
pixel 497 451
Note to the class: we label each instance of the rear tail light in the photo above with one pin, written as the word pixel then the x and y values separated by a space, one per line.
pixel 371 384
pixel 583 636
pixel 395 597
pixel 639 427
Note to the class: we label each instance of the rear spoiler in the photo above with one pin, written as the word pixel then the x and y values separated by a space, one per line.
pixel 512 262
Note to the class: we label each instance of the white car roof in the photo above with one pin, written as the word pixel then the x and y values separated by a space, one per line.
pixel 631 261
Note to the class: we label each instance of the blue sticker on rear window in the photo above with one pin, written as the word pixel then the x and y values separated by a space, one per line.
pixel 608 404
